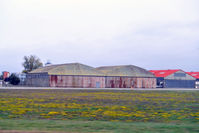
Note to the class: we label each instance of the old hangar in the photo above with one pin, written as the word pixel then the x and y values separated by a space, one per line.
pixel 127 76
pixel 74 75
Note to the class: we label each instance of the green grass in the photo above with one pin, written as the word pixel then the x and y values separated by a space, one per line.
pixel 99 111
pixel 98 126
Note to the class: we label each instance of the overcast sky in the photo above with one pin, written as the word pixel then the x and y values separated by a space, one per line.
pixel 153 34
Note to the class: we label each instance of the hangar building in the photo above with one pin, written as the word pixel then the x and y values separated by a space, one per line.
pixel 173 79
pixel 74 75
pixel 195 75
pixel 127 76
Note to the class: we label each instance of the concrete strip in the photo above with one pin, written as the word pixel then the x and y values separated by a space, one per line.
pixel 149 89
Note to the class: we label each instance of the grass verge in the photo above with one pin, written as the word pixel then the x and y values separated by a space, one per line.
pixel 97 126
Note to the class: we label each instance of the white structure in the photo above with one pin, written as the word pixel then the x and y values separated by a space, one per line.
pixel 1 83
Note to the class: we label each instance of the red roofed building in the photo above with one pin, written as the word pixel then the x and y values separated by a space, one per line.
pixel 5 74
pixel 195 75
pixel 174 78
pixel 163 73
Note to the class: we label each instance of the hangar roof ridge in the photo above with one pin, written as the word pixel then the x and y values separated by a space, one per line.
pixel 164 73
pixel 69 69
pixel 125 70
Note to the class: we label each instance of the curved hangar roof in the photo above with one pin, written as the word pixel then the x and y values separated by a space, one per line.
pixel 126 70
pixel 69 69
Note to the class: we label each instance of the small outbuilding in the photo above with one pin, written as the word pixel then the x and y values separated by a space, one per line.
pixel 5 74
pixel 73 75
pixel 127 76
pixel 195 75
pixel 173 79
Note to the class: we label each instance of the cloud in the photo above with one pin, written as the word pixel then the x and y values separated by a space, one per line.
pixel 104 32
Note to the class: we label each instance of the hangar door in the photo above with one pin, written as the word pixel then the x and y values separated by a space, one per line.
pixel 179 83
pixel 97 84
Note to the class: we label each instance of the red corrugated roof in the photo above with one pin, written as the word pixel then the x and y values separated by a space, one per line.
pixel 194 74
pixel 163 73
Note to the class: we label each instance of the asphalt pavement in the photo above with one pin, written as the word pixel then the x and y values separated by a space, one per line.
pixel 150 89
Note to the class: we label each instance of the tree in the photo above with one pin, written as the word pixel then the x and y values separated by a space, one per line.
pixel 30 63
pixel 13 79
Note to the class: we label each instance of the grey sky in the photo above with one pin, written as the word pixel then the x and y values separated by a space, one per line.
pixel 153 34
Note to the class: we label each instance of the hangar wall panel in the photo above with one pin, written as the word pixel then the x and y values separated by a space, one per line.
pixel 130 82
pixel 37 80
pixel 77 81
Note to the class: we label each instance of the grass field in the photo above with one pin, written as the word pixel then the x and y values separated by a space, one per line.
pixel 99 111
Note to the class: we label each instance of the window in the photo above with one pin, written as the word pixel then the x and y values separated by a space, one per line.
pixel 179 74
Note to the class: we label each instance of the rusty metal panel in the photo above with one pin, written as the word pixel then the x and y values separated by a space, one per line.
pixel 130 82
pixel 77 81
pixel 43 80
